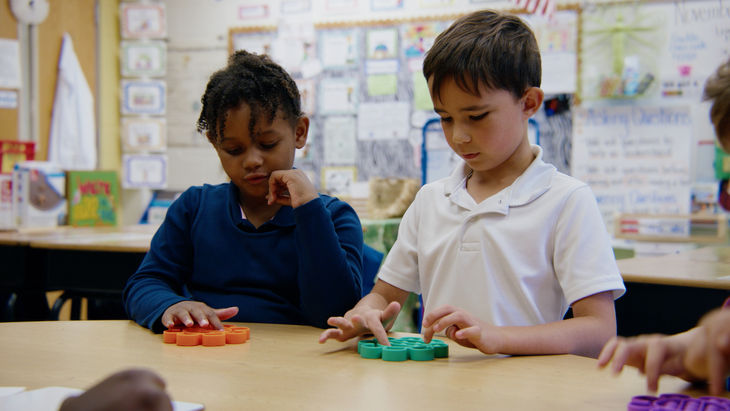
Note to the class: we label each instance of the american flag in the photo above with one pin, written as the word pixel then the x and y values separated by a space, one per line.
pixel 540 7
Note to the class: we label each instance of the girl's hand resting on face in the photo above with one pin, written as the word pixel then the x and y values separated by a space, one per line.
pixel 189 313
pixel 463 328
pixel 290 188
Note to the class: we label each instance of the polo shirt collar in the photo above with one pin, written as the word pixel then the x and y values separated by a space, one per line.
pixel 533 182
pixel 283 218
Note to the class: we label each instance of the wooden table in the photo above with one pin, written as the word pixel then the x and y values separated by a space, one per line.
pixel 670 293
pixel 283 367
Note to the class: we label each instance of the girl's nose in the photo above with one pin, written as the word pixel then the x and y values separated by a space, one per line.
pixel 252 159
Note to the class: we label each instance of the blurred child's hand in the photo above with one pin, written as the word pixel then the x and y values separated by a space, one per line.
pixel 133 389
pixel 653 355
pixel 708 353
pixel 360 321
pixel 190 313
pixel 463 328
pixel 290 187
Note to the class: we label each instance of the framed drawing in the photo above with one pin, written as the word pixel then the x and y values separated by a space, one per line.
pixel 142 20
pixel 143 58
pixel 143 97
pixel 143 134
pixel 144 171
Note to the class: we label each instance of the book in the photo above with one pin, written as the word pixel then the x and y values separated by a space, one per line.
pixel 93 198
pixel 38 189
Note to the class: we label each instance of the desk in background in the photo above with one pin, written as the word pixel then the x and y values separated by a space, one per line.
pixel 81 261
pixel 282 367
pixel 670 293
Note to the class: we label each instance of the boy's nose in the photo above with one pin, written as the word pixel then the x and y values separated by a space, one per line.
pixel 460 137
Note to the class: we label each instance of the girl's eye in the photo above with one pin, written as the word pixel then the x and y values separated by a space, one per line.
pixel 479 117
pixel 232 151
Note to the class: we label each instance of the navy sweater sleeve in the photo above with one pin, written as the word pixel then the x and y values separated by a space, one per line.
pixel 329 241
pixel 159 280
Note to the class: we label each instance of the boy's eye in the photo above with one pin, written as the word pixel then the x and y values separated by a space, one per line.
pixel 268 146
pixel 478 117
pixel 445 119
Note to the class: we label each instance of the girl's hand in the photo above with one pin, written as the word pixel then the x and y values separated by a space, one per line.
pixel 189 313
pixel 291 188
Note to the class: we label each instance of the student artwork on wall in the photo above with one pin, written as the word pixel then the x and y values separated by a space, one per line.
pixel 338 49
pixel 337 181
pixel 143 134
pixel 143 97
pixel 338 96
pixel 383 121
pixel 382 43
pixel 558 41
pixel 142 20
pixel 619 52
pixel 340 145
pixel 255 11
pixel 143 58
pixel 258 42
pixel 144 171
pixel 385 5
pixel 308 95
pixel 295 6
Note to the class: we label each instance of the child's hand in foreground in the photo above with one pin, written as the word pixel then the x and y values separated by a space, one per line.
pixel 463 328
pixel 189 313
pixel 359 321
pixel 702 353
pixel 133 389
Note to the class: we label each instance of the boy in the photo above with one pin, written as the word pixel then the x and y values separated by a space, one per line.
pixel 703 352
pixel 265 243
pixel 501 248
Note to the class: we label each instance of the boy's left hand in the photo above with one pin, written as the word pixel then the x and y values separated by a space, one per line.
pixel 463 328
pixel 291 188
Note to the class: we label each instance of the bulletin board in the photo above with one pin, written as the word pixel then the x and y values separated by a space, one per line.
pixel 364 91
pixel 642 138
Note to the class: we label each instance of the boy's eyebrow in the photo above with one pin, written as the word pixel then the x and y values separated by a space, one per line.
pixel 467 108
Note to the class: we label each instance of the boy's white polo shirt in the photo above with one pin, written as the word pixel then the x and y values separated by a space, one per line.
pixel 520 257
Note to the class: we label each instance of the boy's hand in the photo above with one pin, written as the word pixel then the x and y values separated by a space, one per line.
pixel 190 313
pixel 291 188
pixel 653 355
pixel 358 322
pixel 708 353
pixel 463 328
pixel 133 389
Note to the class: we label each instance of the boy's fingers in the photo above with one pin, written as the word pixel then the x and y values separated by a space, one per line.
pixel 619 358
pixel 655 355
pixel 335 333
pixel 607 352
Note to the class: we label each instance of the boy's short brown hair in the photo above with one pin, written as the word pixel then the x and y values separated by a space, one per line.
pixel 717 90
pixel 490 48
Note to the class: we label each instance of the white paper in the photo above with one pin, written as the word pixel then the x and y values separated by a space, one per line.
pixel 8 99
pixel 9 63
pixel 340 144
pixel 338 96
pixel 636 159
pixel 50 398
pixel 383 121
pixel 144 171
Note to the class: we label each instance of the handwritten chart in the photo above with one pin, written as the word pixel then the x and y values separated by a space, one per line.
pixel 635 158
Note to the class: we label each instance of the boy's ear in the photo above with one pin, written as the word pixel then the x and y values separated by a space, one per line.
pixel 532 100
pixel 301 131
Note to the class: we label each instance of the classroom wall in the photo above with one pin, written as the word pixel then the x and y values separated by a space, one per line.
pixel 8 116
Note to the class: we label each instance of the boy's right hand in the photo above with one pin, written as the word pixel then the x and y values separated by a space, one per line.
pixel 189 313
pixel 360 321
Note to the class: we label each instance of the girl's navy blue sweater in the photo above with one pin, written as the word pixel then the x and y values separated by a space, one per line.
pixel 301 267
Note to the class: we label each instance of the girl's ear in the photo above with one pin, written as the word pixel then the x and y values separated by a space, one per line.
pixel 301 131
pixel 532 100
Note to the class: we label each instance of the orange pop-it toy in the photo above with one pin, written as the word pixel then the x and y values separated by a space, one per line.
pixel 231 334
